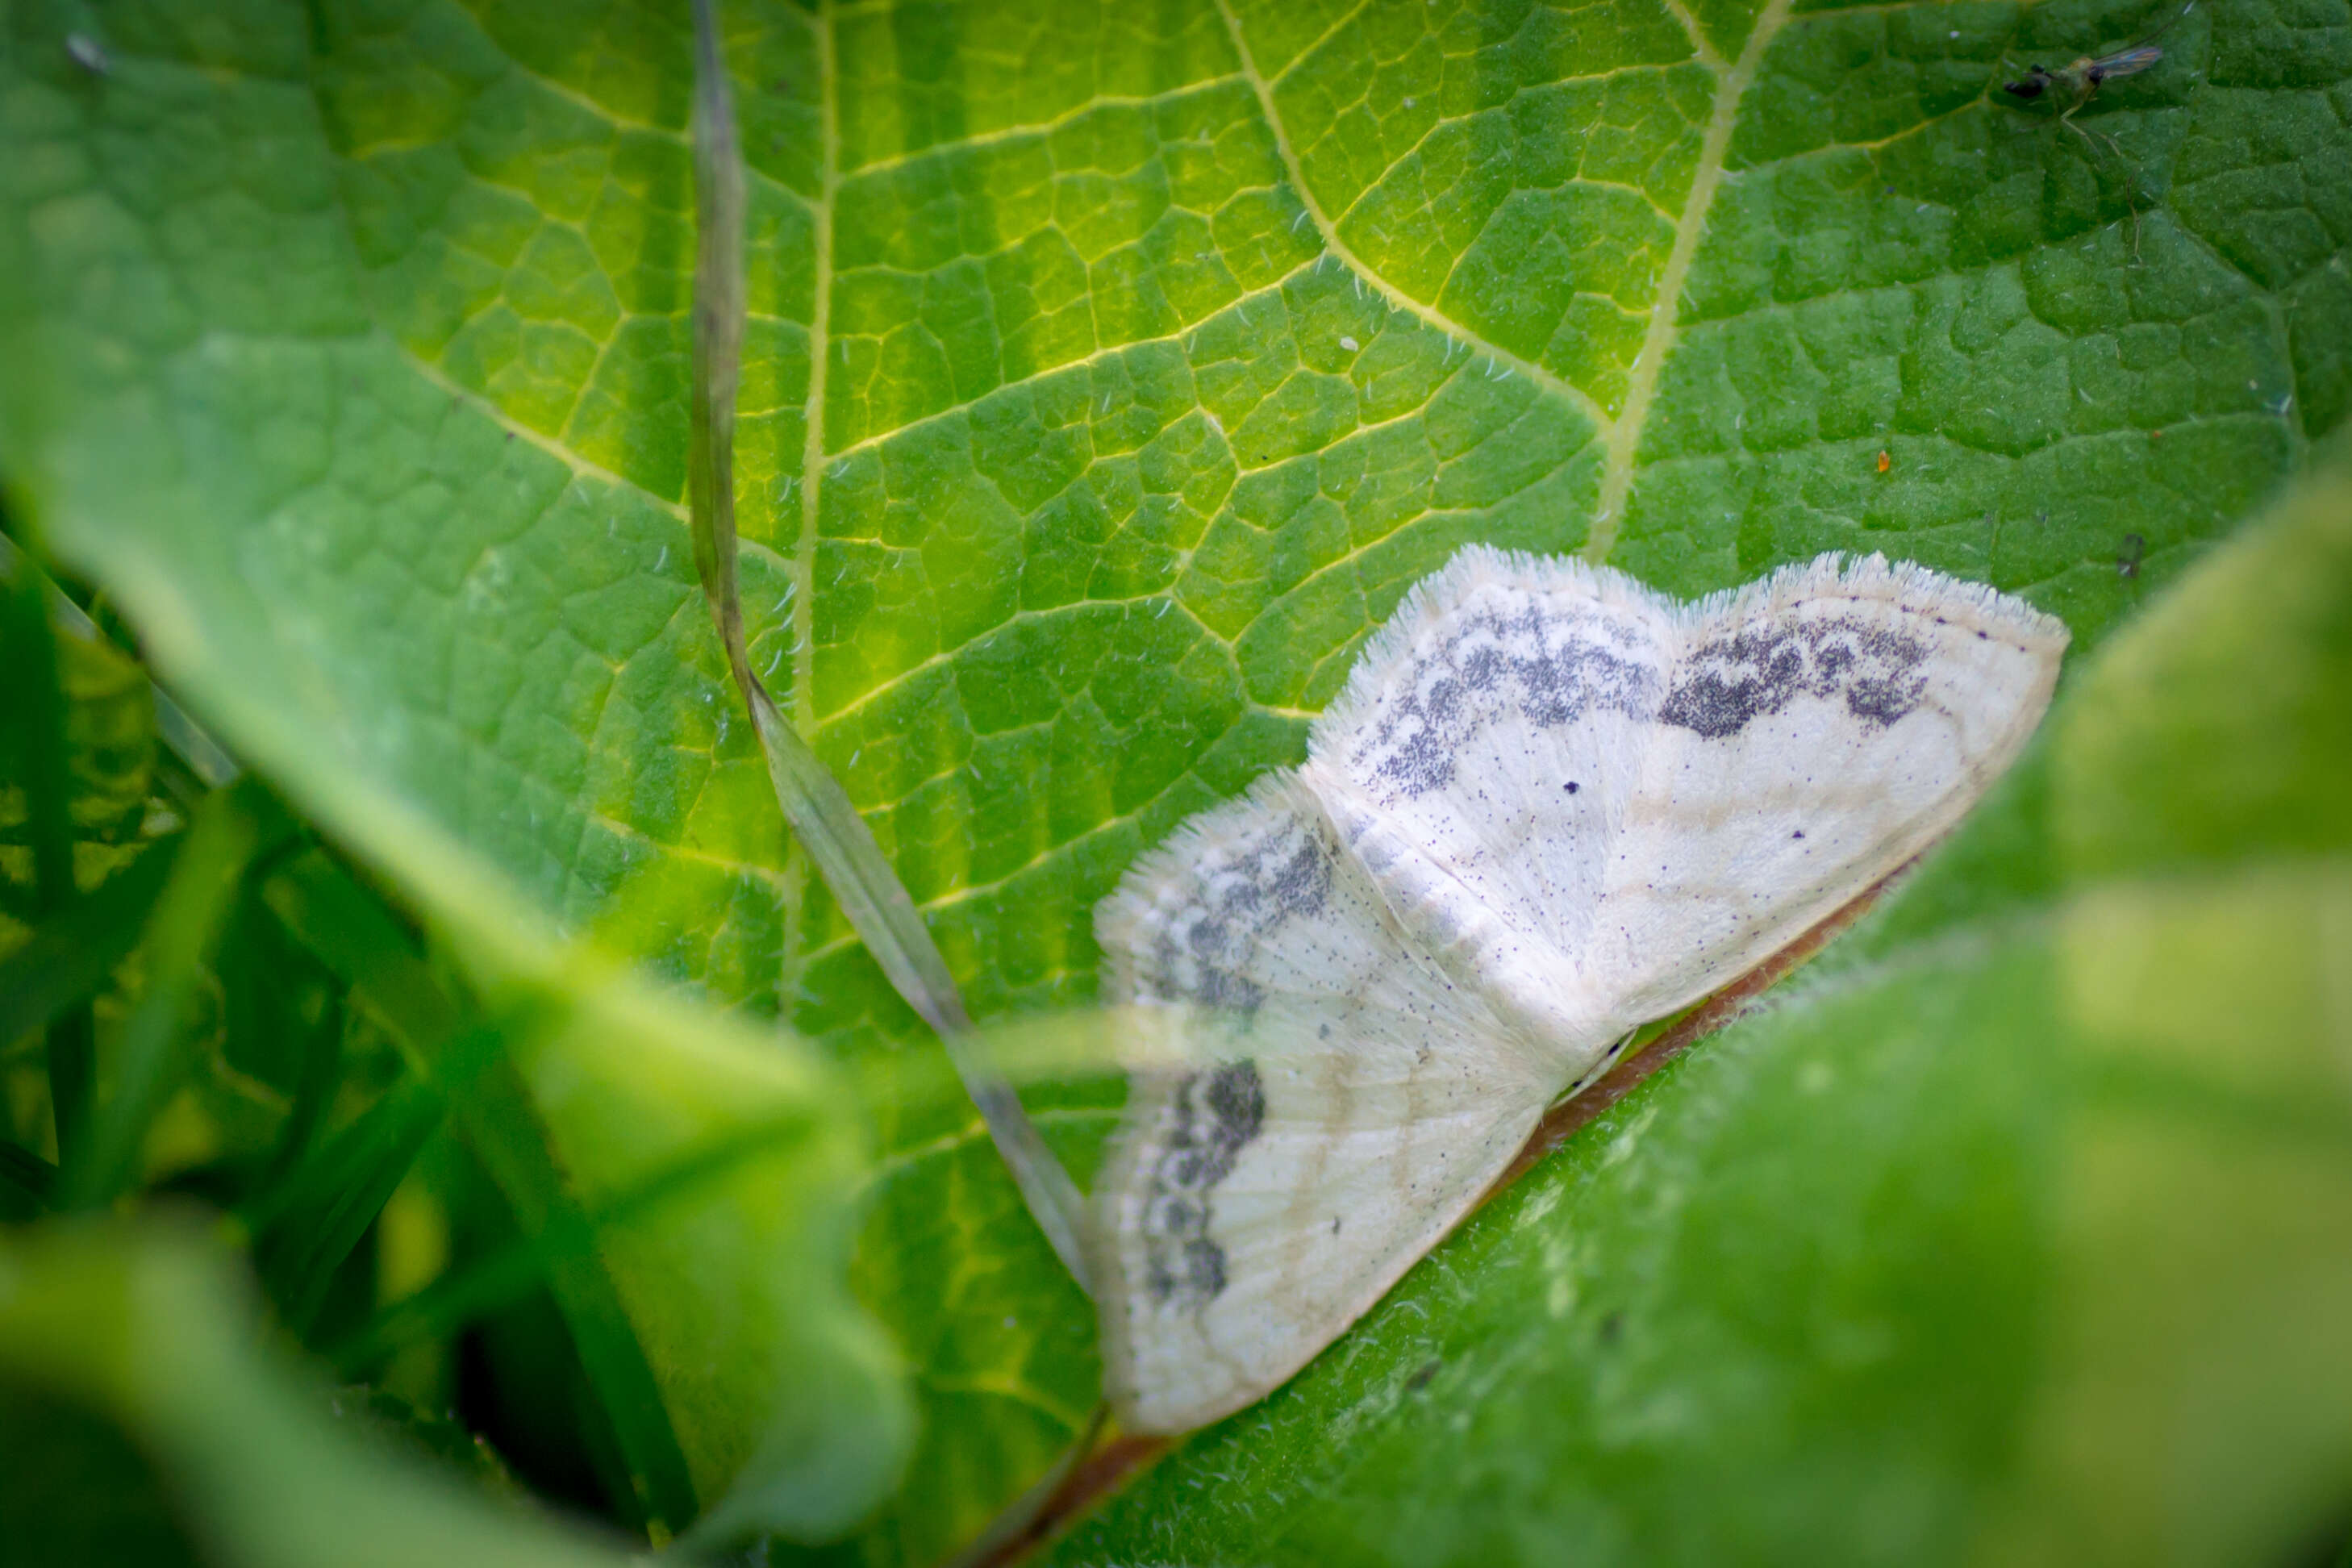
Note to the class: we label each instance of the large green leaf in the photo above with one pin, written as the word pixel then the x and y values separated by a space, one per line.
pixel 1113 370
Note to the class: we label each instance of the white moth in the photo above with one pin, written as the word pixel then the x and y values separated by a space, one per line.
pixel 1550 806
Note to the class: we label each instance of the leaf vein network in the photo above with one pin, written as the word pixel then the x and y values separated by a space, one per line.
pixel 553 446
pixel 947 657
pixel 1338 247
pixel 1321 39
pixel 892 162
pixel 1891 139
pixel 1182 337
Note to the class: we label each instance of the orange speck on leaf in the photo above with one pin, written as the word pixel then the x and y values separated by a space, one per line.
pixel 1885 462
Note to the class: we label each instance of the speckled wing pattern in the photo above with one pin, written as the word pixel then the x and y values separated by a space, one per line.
pixel 1550 806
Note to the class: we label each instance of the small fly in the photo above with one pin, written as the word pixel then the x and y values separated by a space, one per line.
pixel 2076 85
pixel 2079 82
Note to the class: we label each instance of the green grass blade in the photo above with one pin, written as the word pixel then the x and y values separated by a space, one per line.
pixel 188 918
pixel 330 1199
pixel 448 1303
pixel 314 1091
pixel 49 802
pixel 68 957
pixel 822 815
pixel 145 1327
pixel 207 763
pixel 48 774
pixel 718 339
pixel 505 1133
pixel 351 932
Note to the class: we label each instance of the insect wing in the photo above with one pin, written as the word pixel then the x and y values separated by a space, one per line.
pixel 1481 763
pixel 1823 726
pixel 2125 62
pixel 1265 1191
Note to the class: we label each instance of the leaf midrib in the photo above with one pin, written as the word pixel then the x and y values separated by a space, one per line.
pixel 1622 436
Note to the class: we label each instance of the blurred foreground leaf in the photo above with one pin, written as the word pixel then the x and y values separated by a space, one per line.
pixel 297 522
pixel 108 1333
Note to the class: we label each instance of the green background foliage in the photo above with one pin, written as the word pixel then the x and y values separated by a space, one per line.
pixel 1112 371
pixel 141 1329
